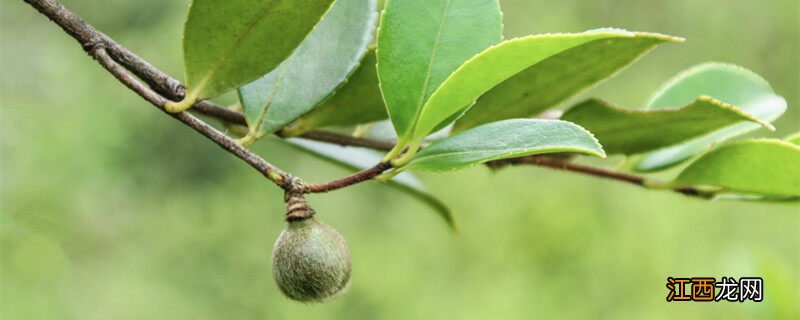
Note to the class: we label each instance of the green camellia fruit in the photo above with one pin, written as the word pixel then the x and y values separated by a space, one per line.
pixel 310 261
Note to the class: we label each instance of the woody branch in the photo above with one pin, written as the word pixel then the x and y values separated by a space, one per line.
pixel 121 63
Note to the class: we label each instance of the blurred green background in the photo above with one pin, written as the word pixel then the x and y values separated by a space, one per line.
pixel 110 210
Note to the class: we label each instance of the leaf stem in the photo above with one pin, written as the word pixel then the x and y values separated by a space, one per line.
pixel 359 177
pixel 274 174
pixel 345 140
pixel 161 88
pixel 396 151
pixel 386 176
pixel 406 157
pixel 549 162
pixel 248 139
pixel 183 105
pixel 118 60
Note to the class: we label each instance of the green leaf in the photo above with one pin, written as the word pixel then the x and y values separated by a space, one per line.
pixel 229 43
pixel 321 63
pixel 768 167
pixel 356 159
pixel 728 83
pixel 558 77
pixel 634 131
pixel 496 64
pixel 793 138
pixel 357 101
pixel 421 42
pixel 505 139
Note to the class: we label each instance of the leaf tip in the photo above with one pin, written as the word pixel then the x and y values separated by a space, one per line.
pixel 674 39
pixel 750 117
pixel 599 152
pixel 661 36
pixel 453 227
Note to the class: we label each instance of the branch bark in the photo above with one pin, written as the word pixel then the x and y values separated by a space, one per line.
pixel 344 140
pixel 113 57
pixel 272 173
pixel 548 162
pixel 118 60
pixel 359 177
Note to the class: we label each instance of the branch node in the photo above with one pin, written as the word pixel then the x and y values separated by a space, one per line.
pixel 93 45
pixel 297 207
pixel 295 184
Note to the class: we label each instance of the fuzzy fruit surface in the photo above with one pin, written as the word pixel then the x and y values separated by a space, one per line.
pixel 310 261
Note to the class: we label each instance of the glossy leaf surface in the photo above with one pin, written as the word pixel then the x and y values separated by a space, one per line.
pixel 494 66
pixel 761 167
pixel 356 159
pixel 229 43
pixel 421 42
pixel 357 101
pixel 557 78
pixel 505 139
pixel 728 83
pixel 319 65
pixel 632 131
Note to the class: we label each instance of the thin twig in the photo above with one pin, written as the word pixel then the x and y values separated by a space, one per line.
pixel 159 81
pixel 117 59
pixel 114 57
pixel 89 36
pixel 213 110
pixel 344 140
pixel 359 177
pixel 272 173
pixel 545 161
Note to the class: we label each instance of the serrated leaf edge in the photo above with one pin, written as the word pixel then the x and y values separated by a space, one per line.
pixel 610 32
pixel 533 151
pixel 656 36
pixel 701 68
pixel 676 184
pixel 707 99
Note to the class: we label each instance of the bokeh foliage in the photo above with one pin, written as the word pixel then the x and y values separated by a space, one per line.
pixel 104 217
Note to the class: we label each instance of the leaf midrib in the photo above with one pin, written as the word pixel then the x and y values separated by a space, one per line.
pixel 511 151
pixel 639 128
pixel 472 122
pixel 236 40
pixel 486 51
pixel 421 101
pixel 265 108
